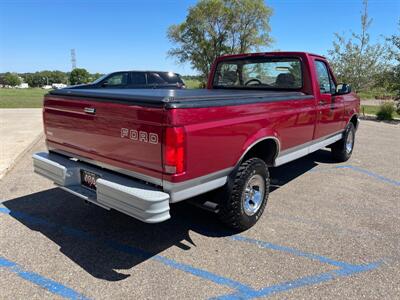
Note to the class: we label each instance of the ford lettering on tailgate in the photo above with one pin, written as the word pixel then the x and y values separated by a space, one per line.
pixel 141 136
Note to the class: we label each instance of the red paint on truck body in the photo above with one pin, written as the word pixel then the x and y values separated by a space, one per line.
pixel 215 137
pixel 98 137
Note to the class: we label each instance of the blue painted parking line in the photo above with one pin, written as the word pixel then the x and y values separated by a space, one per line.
pixel 292 251
pixel 304 281
pixel 241 290
pixel 345 269
pixel 43 282
pixel 362 171
pixel 369 173
pixel 209 276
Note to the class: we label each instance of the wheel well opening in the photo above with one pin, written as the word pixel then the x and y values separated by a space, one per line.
pixel 354 120
pixel 265 150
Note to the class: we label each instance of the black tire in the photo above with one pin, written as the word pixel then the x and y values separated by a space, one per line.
pixel 340 150
pixel 232 211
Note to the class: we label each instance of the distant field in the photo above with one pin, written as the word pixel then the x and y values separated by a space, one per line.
pixel 21 98
pixel 33 97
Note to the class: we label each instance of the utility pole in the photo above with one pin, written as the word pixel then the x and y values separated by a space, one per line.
pixel 73 59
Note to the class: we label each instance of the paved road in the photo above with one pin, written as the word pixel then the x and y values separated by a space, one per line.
pixel 19 128
pixel 330 231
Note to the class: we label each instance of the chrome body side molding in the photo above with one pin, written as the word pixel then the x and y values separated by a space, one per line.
pixel 190 188
pixel 200 185
pixel 305 149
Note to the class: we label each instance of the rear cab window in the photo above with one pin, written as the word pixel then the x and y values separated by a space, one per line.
pixel 260 73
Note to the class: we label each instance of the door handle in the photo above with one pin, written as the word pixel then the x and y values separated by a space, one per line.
pixel 322 102
pixel 89 110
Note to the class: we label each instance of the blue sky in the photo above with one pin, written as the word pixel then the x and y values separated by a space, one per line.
pixel 116 35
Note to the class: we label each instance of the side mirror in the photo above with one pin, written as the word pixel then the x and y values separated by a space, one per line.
pixel 104 84
pixel 343 88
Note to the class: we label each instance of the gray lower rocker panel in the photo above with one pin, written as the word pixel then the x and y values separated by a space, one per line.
pixel 129 196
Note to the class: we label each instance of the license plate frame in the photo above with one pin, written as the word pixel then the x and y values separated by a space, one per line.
pixel 88 179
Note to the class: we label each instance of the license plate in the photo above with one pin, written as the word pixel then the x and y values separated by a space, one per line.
pixel 88 179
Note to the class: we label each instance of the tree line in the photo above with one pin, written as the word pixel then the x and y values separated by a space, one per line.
pixel 41 78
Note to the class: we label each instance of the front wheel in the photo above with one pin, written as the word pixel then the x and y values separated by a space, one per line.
pixel 245 195
pixel 342 149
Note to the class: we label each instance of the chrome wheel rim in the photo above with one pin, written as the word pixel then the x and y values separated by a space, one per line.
pixel 253 194
pixel 349 141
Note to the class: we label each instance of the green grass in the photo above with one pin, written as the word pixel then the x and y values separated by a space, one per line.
pixel 372 110
pixel 22 98
pixel 33 97
pixel 192 84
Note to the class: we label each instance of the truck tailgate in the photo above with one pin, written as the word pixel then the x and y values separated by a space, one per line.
pixel 121 134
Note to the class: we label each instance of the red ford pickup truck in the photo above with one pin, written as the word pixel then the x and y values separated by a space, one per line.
pixel 138 151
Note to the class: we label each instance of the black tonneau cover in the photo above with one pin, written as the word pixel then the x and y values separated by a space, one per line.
pixel 181 98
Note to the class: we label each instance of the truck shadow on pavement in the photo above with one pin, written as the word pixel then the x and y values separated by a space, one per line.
pixel 102 241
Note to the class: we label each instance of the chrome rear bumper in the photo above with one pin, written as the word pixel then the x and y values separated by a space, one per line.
pixel 127 195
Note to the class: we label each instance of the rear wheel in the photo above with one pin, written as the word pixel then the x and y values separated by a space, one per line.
pixel 342 149
pixel 245 195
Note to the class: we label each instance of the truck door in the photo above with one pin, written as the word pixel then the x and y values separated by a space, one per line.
pixel 330 109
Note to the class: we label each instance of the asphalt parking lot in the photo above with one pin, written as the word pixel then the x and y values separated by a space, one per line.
pixel 330 231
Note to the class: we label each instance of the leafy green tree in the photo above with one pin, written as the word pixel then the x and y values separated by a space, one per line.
pixel 11 79
pixel 78 76
pixel 95 76
pixel 216 27
pixel 55 76
pixel 356 60
pixel 392 78
pixel 41 78
pixel 389 80
pixel 35 79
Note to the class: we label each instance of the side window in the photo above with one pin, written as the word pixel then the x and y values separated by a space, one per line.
pixel 138 78
pixel 326 84
pixel 154 78
pixel 117 79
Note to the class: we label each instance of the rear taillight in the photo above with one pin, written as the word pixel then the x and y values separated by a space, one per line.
pixel 174 150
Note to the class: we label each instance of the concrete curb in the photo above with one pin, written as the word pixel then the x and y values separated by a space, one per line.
pixel 27 149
